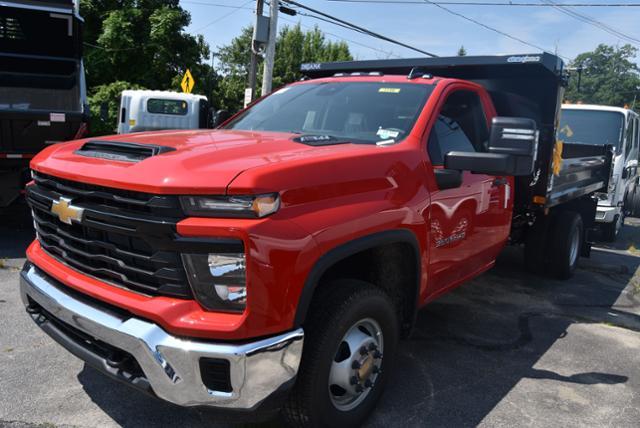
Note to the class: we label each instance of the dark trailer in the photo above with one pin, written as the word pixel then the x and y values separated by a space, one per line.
pixel 42 86
pixel 529 86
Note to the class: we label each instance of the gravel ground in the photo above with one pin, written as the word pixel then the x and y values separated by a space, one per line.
pixel 507 349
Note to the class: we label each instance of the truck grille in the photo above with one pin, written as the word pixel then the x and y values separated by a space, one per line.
pixel 125 238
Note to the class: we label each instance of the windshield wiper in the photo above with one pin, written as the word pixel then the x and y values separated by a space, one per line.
pixel 320 140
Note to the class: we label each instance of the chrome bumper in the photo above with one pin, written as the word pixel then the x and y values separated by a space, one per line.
pixel 607 214
pixel 171 365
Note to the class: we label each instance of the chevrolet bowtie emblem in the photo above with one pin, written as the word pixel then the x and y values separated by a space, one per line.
pixel 66 212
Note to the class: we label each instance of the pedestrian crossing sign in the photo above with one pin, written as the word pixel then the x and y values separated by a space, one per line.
pixel 187 82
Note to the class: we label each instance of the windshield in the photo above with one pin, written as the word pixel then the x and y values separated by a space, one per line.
pixel 359 112
pixel 594 127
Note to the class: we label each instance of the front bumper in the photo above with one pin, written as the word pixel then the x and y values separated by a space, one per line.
pixel 166 365
pixel 607 214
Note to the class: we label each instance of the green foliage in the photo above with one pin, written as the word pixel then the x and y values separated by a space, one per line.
pixel 293 47
pixel 108 94
pixel 233 66
pixel 609 77
pixel 142 42
pixel 462 51
pixel 133 44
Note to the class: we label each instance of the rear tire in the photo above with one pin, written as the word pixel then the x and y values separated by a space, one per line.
pixel 344 314
pixel 565 243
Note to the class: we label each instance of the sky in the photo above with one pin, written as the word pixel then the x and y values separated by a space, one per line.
pixel 432 29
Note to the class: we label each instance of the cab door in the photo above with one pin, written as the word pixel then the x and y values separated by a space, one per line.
pixel 469 224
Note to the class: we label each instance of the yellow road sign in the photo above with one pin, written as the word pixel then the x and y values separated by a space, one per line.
pixel 187 82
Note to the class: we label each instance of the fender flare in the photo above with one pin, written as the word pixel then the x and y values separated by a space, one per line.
pixel 348 249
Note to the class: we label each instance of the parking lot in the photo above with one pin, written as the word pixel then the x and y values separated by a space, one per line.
pixel 505 349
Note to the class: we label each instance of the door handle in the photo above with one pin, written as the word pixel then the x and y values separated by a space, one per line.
pixel 499 182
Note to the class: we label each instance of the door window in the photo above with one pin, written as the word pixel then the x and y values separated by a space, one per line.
pixel 461 126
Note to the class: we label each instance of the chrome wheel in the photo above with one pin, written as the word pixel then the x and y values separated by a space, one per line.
pixel 356 365
pixel 575 247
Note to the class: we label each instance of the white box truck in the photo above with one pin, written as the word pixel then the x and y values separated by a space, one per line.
pixel 144 110
pixel 618 127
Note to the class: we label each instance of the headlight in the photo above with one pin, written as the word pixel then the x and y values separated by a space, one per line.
pixel 218 280
pixel 231 206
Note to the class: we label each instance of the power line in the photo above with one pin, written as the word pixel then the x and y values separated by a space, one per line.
pixel 201 3
pixel 481 24
pixel 439 4
pixel 236 8
pixel 589 20
pixel 357 28
pixel 388 53
pixel 487 3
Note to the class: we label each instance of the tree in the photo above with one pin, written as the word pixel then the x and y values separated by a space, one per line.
pixel 109 96
pixel 233 66
pixel 141 41
pixel 609 76
pixel 293 47
pixel 462 51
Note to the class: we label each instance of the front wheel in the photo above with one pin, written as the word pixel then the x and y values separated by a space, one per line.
pixel 351 338
pixel 611 230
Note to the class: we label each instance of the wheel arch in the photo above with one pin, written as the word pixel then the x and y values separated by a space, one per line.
pixel 376 242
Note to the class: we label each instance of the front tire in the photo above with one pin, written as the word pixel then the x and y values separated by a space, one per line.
pixel 351 338
pixel 611 230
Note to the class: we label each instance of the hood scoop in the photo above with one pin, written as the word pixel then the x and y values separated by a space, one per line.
pixel 120 151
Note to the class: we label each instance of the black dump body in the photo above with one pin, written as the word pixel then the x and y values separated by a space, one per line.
pixel 42 92
pixel 528 85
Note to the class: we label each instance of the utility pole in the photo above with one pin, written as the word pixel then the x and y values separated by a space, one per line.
pixel 271 48
pixel 253 66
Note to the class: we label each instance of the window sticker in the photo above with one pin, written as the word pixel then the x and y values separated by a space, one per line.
pixel 389 90
pixel 386 134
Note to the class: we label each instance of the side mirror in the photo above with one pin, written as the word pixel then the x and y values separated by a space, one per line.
pixel 448 178
pixel 513 144
pixel 625 173
pixel 219 117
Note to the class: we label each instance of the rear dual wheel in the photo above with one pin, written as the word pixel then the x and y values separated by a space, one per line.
pixel 553 245
pixel 350 342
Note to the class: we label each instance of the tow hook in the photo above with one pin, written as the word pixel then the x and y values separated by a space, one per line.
pixel 33 309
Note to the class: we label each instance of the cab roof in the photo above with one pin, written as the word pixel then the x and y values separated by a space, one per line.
pixel 596 107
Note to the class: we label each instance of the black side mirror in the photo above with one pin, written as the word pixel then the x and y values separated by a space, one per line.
pixel 513 144
pixel 625 173
pixel 104 111
pixel 448 178
pixel 220 117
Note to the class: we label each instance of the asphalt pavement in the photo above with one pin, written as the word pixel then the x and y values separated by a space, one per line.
pixel 506 349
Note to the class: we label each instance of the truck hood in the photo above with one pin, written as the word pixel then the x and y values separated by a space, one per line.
pixel 203 162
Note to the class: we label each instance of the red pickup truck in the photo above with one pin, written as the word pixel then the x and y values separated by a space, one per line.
pixel 276 261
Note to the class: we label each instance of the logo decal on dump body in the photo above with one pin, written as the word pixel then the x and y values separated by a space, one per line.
pixel 523 59
pixel 66 212
pixel 310 66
